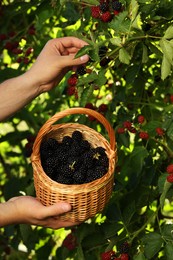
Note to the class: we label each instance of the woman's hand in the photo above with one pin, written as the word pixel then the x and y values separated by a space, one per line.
pixel 56 58
pixel 28 210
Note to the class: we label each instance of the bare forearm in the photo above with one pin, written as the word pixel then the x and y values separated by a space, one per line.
pixel 15 93
pixel 7 214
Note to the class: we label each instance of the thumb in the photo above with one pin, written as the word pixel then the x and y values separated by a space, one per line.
pixel 70 60
pixel 56 209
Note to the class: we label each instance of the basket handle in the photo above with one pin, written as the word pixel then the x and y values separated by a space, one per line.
pixel 80 110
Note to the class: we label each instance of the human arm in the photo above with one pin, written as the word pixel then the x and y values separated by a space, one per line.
pixel 54 61
pixel 28 210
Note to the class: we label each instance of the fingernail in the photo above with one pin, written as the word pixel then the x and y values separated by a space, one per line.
pixel 84 57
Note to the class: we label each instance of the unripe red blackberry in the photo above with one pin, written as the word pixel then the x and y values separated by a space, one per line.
pixel 160 131
pixel 120 130
pixel 169 168
pixel 106 17
pixel 141 119
pixel 171 98
pixel 127 124
pixel 170 178
pixel 95 12
pixel 144 135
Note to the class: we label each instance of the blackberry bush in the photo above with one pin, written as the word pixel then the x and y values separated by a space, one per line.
pixel 130 71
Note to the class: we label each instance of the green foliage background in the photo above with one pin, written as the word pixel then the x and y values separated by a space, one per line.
pixel 136 80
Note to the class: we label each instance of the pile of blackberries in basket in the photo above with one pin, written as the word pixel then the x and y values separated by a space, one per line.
pixel 73 160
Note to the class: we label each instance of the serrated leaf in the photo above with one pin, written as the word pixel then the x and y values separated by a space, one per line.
pixel 120 24
pixel 169 33
pixel 124 56
pixel 169 250
pixel 137 23
pixel 167 49
pixel 84 95
pixel 116 41
pixel 152 244
pixel 133 9
pixel 165 68
pixel 131 73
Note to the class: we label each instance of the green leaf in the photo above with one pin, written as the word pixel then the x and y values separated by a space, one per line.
pixel 116 41
pixel 137 157
pixel 166 231
pixel 169 33
pixel 91 2
pixel 131 73
pixel 128 212
pixel 137 23
pixel 167 49
pixel 166 187
pixel 80 254
pixel 120 24
pixel 84 50
pixel 152 244
pixel 144 54
pixel 169 250
pixel 133 9
pixel 124 56
pixel 165 68
pixel 140 256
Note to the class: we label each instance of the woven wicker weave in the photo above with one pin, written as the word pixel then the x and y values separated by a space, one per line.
pixel 86 199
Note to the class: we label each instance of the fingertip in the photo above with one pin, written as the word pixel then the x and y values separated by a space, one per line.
pixel 84 58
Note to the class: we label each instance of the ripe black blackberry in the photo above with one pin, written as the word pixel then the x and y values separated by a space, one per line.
pixel 104 7
pixel 124 248
pixel 116 5
pixel 67 142
pixel 53 143
pixel 62 179
pixel 77 136
pixel 85 145
pixel 79 176
pixel 81 70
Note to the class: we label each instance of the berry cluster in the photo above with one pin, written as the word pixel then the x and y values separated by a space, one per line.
pixel 137 128
pixel 102 108
pixel 74 160
pixel 73 79
pixel 169 170
pixel 11 43
pixel 111 255
pixel 106 10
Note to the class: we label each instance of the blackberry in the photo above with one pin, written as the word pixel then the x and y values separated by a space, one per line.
pixel 77 136
pixel 103 161
pixel 45 150
pixel 63 180
pixel 116 5
pixel 104 7
pixel 124 248
pixel 79 176
pixel 53 143
pixel 67 142
pixel 96 173
pixel 87 159
pixel 100 150
pixel 81 70
pixel 62 155
pixel 102 51
pixel 85 145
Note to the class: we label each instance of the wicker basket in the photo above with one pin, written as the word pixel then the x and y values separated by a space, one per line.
pixel 86 199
